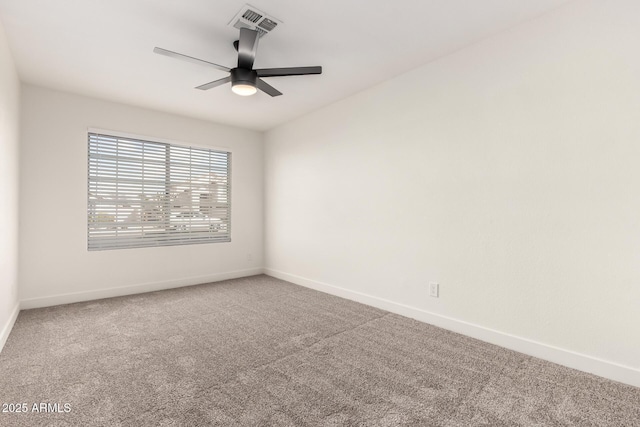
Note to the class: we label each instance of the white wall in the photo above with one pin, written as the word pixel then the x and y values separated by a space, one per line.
pixel 509 172
pixel 54 260
pixel 9 131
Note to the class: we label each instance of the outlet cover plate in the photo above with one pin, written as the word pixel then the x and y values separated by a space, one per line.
pixel 434 289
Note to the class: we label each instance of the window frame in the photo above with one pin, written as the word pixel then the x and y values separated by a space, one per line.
pixel 174 239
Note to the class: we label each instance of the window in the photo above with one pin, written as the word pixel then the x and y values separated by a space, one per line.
pixel 145 193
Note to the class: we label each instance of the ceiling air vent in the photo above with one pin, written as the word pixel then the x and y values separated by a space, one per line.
pixel 251 15
pixel 267 24
pixel 254 19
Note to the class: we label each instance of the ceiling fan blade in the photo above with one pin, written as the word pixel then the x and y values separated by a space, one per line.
pixel 247 46
pixel 267 88
pixel 214 83
pixel 176 55
pixel 291 71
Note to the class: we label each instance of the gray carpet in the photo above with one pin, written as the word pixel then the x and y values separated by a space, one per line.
pixel 263 352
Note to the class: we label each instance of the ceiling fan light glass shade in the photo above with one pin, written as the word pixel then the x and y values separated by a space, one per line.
pixel 243 81
pixel 243 89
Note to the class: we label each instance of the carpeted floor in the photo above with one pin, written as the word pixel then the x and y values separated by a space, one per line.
pixel 263 352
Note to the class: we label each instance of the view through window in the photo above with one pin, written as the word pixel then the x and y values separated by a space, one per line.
pixel 145 193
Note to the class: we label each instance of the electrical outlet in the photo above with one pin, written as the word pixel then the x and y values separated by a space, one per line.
pixel 434 289
pixel 249 257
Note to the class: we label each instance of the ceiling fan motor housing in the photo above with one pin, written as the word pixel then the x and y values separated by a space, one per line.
pixel 241 76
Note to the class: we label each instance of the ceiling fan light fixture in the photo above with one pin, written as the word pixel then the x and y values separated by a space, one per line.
pixel 243 81
pixel 244 89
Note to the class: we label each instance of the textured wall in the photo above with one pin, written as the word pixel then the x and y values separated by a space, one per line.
pixel 53 231
pixel 9 131
pixel 508 172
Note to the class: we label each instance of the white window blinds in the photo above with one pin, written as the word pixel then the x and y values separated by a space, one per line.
pixel 145 193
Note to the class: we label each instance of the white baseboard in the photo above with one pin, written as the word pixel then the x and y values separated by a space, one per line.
pixel 6 329
pixel 133 289
pixel 582 362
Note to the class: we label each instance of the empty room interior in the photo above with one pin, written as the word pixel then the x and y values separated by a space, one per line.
pixel 325 213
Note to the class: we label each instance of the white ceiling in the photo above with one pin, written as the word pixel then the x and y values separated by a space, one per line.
pixel 103 48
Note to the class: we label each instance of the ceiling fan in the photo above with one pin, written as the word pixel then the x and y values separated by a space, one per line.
pixel 244 79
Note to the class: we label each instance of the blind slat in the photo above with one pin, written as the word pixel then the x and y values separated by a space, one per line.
pixel 146 193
